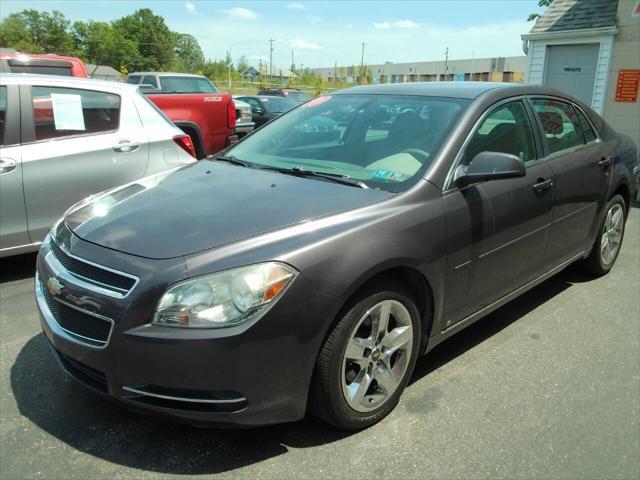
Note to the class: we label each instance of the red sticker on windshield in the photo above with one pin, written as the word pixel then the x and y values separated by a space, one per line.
pixel 317 101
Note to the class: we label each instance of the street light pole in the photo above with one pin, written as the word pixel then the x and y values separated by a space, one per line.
pixel 362 65
pixel 271 40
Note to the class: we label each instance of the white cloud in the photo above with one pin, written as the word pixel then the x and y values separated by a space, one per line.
pixel 191 8
pixel 405 24
pixel 239 13
pixel 314 19
pixel 398 24
pixel 304 45
pixel 296 6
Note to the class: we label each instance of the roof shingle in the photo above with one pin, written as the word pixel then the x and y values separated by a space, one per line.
pixel 577 15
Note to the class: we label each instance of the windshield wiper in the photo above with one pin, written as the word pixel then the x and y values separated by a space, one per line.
pixel 235 161
pixel 334 177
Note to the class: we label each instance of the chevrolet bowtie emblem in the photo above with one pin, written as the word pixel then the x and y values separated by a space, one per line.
pixel 54 286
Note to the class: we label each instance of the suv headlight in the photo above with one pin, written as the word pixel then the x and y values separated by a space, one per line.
pixel 224 299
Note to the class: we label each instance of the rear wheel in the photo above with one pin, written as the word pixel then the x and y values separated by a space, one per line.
pixel 367 360
pixel 609 240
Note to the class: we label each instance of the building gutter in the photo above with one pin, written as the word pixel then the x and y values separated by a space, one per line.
pixel 586 32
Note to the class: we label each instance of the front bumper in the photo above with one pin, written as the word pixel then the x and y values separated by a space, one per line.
pixel 247 375
pixel 243 129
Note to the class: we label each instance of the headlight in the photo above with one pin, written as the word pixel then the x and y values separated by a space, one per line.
pixel 224 299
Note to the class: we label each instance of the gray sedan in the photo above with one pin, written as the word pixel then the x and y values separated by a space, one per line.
pixel 309 265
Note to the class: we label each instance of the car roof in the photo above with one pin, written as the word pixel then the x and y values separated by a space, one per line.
pixel 30 79
pixel 167 74
pixel 453 89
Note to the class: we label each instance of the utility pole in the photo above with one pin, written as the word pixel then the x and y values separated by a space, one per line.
pixel 271 40
pixel 335 72
pixel 446 62
pixel 473 59
pixel 229 66
pixel 362 65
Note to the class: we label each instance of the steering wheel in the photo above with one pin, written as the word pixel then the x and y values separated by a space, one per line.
pixel 418 154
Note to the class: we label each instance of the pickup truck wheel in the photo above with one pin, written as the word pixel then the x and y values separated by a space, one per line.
pixel 367 360
pixel 609 240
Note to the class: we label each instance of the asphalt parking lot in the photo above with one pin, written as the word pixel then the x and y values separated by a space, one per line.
pixel 546 387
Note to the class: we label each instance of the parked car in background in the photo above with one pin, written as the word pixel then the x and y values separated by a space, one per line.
pixel 63 139
pixel 294 94
pixel 244 118
pixel 194 105
pixel 310 267
pixel 43 64
pixel 266 108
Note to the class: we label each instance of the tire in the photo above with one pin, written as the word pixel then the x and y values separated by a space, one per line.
pixel 602 258
pixel 336 376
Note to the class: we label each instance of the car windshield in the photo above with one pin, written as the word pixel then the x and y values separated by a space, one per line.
pixel 385 141
pixel 297 96
pixel 278 105
pixel 187 85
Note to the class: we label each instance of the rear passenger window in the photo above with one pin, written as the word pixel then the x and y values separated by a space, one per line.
pixel 559 123
pixel 61 112
pixel 508 130
pixel 150 80
pixel 133 79
pixel 3 112
pixel 587 130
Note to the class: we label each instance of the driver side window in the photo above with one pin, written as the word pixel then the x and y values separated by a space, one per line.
pixel 508 130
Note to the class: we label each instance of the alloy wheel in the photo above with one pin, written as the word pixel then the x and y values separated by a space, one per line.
pixel 377 355
pixel 612 234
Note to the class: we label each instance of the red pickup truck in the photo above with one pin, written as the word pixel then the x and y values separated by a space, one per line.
pixel 194 105
pixel 42 64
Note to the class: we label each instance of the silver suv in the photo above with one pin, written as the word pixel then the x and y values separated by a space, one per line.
pixel 63 139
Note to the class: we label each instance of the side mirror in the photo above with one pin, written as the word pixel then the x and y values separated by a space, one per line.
pixel 258 111
pixel 487 166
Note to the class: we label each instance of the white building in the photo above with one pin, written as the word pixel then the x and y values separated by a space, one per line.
pixel 590 49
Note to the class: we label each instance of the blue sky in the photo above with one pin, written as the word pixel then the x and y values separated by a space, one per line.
pixel 321 32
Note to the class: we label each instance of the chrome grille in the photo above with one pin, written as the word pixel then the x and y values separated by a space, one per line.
pixel 92 273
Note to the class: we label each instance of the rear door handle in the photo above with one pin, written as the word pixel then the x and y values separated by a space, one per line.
pixel 125 146
pixel 7 166
pixel 604 163
pixel 542 185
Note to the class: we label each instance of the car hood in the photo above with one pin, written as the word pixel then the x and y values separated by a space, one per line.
pixel 206 205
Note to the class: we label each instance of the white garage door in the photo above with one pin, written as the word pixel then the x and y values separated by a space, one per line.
pixel 572 69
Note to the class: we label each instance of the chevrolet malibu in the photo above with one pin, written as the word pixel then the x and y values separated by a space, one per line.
pixel 307 267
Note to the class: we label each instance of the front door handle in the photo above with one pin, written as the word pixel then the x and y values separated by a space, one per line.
pixel 604 163
pixel 542 185
pixel 124 146
pixel 7 166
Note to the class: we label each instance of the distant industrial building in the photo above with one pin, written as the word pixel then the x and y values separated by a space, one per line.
pixel 497 69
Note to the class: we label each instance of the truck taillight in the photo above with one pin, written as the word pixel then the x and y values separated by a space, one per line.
pixel 231 114
pixel 184 142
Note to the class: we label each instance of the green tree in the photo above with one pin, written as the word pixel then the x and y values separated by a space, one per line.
pixel 32 31
pixel 156 43
pixel 243 64
pixel 188 52
pixel 541 3
pixel 103 44
pixel 15 34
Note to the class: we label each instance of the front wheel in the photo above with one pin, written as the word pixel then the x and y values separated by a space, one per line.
pixel 609 240
pixel 367 360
